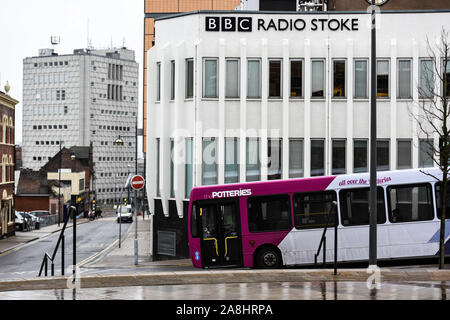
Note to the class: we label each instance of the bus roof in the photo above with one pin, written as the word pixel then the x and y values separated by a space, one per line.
pixel 312 184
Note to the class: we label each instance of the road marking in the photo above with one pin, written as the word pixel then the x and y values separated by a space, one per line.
pixel 89 259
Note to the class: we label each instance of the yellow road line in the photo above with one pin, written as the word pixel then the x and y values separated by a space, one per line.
pixel 89 259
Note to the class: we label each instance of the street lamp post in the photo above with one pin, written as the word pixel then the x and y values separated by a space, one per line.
pixel 119 142
pixel 373 146
pixel 59 185
pixel 74 227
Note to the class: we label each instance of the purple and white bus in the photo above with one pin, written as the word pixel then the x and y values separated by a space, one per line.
pixel 273 223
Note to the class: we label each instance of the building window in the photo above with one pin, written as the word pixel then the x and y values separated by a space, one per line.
pixel 253 161
pixel 189 78
pixel 231 160
pixel 296 78
pixel 210 78
pixel 158 81
pixel 360 152
pixel 339 78
pixel 382 155
pixel 404 154
pixel 295 158
pixel 275 158
pixel 209 161
pixel 426 153
pixel 383 78
pixel 254 79
pixel 232 78
pixel 426 79
pixel 446 76
pixel 338 166
pixel 172 80
pixel 318 78
pixel 274 78
pixel 361 79
pixel 317 158
pixel 404 79
pixel 189 179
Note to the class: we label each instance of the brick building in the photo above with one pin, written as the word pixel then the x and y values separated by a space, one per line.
pixel 68 173
pixel 7 106
pixel 77 169
pixel 32 191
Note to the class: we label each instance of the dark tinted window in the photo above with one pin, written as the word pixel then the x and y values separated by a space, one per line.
pixel 311 209
pixel 410 203
pixel 274 78
pixel 355 206
pixel 296 78
pixel 279 5
pixel 438 201
pixel 194 222
pixel 272 213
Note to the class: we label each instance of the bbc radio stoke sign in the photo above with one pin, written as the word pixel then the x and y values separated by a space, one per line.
pixel 245 24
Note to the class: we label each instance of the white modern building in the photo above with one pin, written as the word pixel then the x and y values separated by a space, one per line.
pixel 244 96
pixel 88 97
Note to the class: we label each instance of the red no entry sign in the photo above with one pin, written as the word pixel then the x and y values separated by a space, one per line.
pixel 137 182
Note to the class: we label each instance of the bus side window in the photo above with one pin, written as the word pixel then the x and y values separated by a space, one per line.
pixel 355 206
pixel 269 213
pixel 311 209
pixel 410 203
pixel 438 201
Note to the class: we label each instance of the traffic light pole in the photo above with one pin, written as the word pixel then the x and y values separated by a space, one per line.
pixel 74 245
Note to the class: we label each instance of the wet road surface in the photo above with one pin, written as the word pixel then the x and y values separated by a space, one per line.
pixel 249 291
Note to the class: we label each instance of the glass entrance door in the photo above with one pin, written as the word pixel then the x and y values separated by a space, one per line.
pixel 220 236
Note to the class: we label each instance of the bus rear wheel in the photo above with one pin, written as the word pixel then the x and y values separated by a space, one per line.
pixel 268 258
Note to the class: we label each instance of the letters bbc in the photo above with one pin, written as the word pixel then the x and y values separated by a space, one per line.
pixel 242 24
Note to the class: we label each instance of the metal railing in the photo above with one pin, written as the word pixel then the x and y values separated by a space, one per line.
pixel 47 257
pixel 323 239
pixel 48 220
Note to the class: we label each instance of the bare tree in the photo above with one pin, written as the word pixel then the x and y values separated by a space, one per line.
pixel 432 118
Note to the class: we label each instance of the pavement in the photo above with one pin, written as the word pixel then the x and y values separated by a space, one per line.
pixel 123 256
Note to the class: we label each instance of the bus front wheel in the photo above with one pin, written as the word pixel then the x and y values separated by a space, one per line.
pixel 268 258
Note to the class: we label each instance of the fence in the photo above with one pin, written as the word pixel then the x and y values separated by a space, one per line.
pixel 48 220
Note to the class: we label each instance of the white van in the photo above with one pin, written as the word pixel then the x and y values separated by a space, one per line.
pixel 124 213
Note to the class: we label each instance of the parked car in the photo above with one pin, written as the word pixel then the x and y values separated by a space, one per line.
pixel 22 222
pixel 39 213
pixel 124 213
pixel 35 221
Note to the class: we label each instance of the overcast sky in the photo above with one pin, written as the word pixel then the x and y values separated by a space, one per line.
pixel 27 25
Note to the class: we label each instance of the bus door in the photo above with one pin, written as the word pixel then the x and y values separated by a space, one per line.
pixel 221 235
